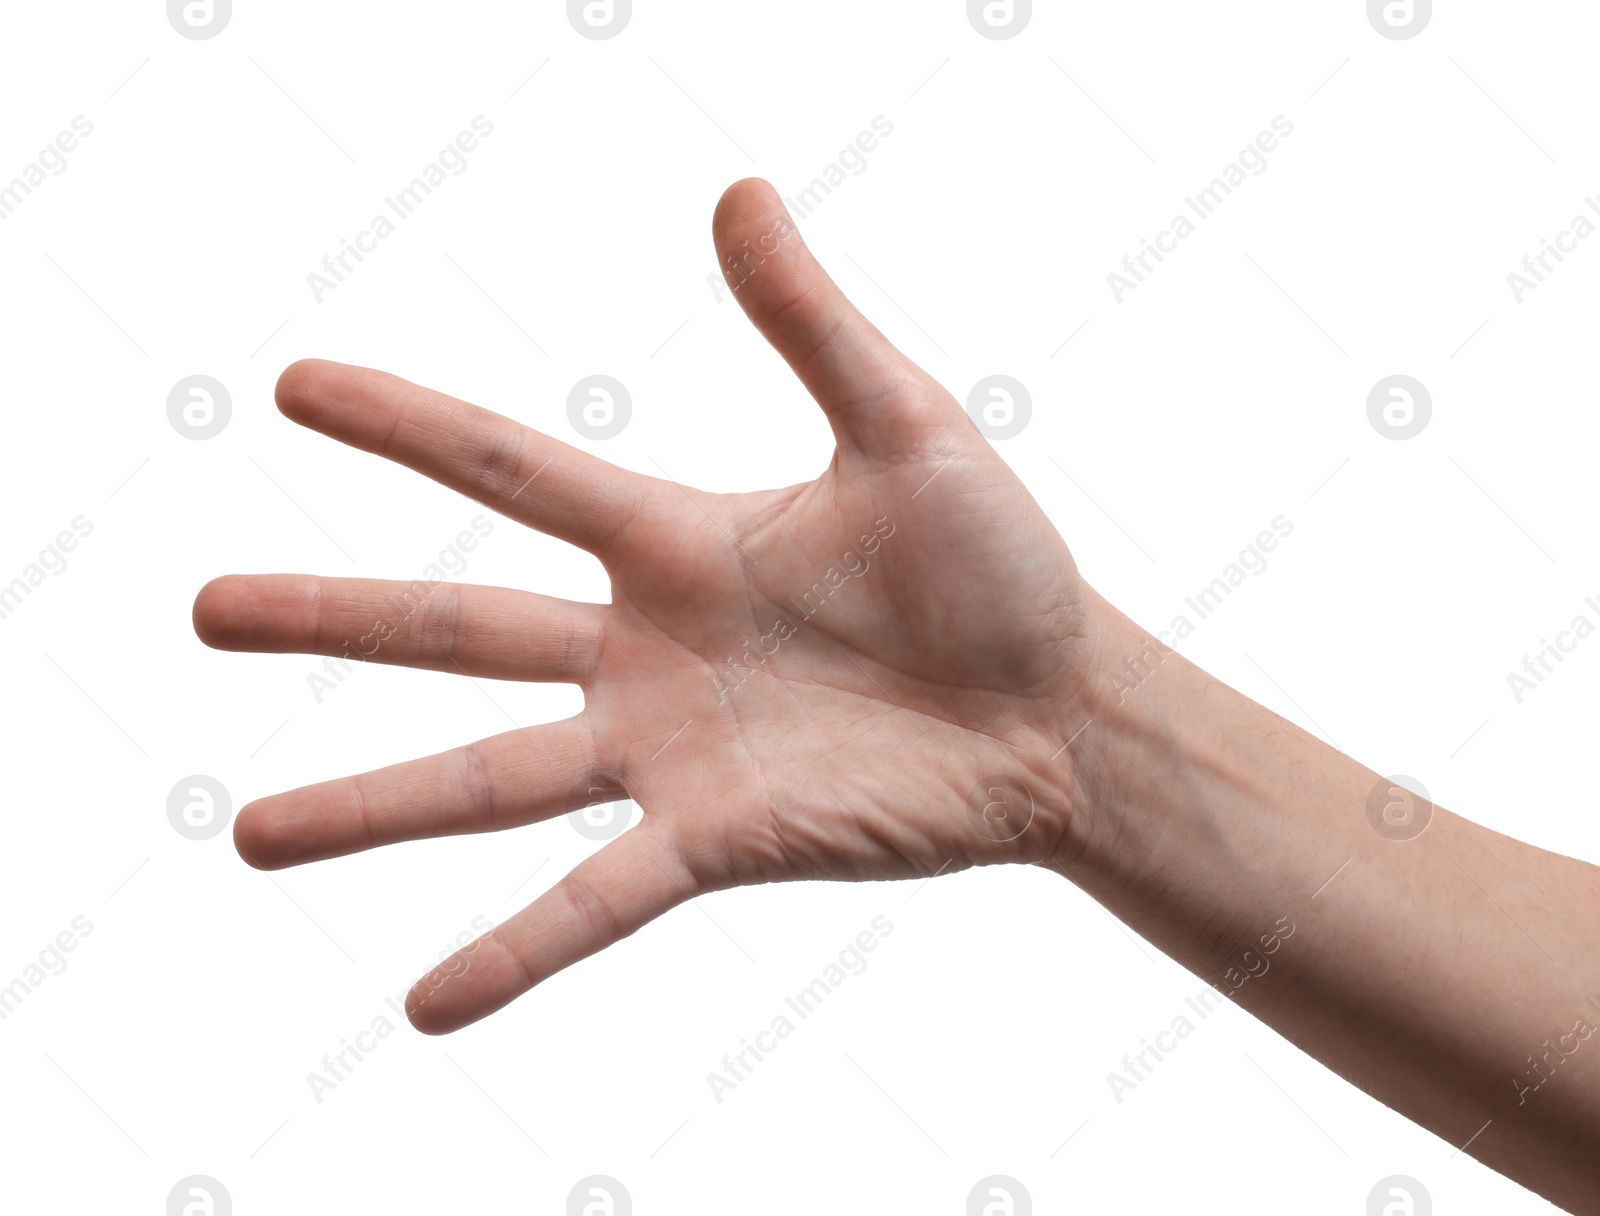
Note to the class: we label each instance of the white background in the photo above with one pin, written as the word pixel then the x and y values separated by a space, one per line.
pixel 1229 389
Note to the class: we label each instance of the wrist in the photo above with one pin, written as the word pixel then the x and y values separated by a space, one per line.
pixel 1100 726
pixel 1198 815
pixel 1172 771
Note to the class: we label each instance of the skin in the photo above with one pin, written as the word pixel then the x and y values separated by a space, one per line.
pixel 952 694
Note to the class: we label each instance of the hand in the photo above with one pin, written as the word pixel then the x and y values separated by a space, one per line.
pixel 799 683
pixel 880 675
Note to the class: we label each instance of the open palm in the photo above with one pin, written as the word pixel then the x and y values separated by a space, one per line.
pixel 872 675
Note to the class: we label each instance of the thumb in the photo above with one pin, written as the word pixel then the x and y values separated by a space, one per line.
pixel 877 400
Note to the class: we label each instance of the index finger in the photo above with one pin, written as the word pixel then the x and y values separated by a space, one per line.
pixel 511 468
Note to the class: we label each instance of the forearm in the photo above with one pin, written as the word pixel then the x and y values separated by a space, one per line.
pixel 1425 970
